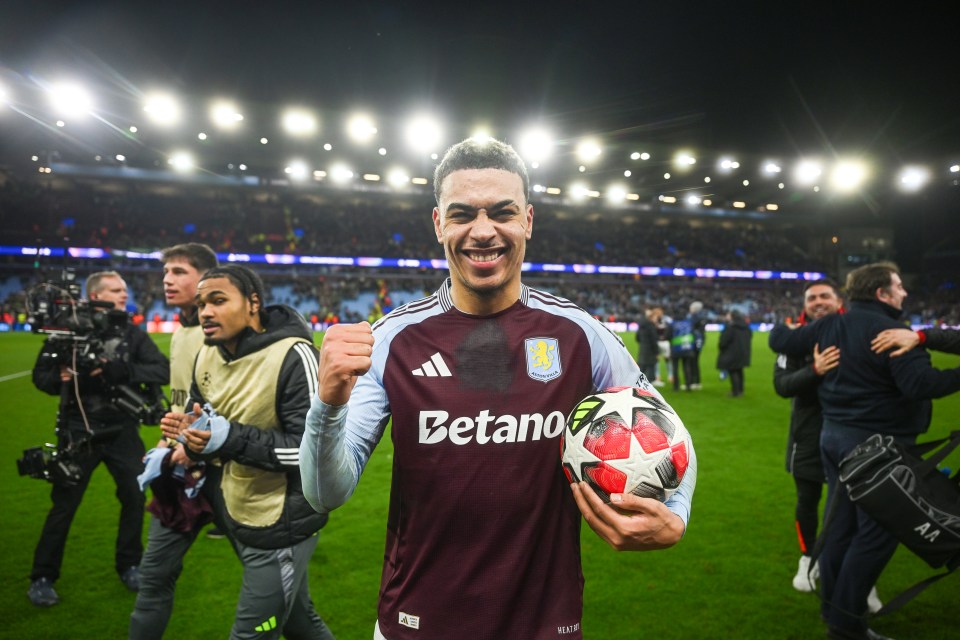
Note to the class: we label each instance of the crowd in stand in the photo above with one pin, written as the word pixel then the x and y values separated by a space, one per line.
pixel 145 218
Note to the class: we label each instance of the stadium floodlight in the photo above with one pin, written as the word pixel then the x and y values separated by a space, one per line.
pixel 578 191
pixel 848 175
pixel 481 134
pixel 181 161
pixel 299 122
pixel 70 99
pixel 616 193
pixel 297 170
pixel 807 172
pixel 225 115
pixel 341 173
pixel 424 133
pixel 955 168
pixel 588 150
pixel 397 177
pixel 727 164
pixel 684 160
pixel 771 168
pixel 361 128
pixel 162 109
pixel 913 178
pixel 536 145
pixel 693 200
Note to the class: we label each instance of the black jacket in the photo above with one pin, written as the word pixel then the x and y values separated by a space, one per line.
pixel 794 378
pixel 945 340
pixel 870 391
pixel 255 447
pixel 735 344
pixel 132 358
pixel 646 342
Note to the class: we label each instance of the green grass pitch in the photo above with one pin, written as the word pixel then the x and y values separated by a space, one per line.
pixel 728 578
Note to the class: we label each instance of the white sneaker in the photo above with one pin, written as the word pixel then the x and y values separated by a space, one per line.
pixel 873 601
pixel 806 578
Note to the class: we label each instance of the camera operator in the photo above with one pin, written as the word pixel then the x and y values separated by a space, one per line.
pixel 93 429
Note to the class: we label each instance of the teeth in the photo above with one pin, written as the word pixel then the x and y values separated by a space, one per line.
pixel 483 257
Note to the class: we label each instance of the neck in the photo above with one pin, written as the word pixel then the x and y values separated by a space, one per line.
pixel 480 304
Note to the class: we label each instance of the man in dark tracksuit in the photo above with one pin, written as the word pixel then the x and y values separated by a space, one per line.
pixel 257 373
pixel 868 393
pixel 99 432
pixel 797 378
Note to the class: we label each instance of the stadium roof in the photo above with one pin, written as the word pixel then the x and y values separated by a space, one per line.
pixel 764 81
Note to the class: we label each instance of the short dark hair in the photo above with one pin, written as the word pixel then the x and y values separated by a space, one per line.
pixel 480 154
pixel 200 256
pixel 863 282
pixel 827 282
pixel 244 279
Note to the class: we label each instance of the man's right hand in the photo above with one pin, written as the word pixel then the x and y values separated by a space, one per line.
pixel 902 339
pixel 345 354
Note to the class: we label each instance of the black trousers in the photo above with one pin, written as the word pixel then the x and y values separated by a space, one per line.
pixel 807 512
pixel 686 364
pixel 123 456
pixel 736 382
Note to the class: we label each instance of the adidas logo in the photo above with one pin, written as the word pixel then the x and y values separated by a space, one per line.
pixel 432 368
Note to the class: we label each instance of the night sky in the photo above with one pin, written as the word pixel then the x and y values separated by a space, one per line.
pixel 765 77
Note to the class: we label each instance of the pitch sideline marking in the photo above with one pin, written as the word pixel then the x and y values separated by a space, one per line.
pixel 13 376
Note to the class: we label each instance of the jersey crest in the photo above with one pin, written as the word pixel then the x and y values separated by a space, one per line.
pixel 543 358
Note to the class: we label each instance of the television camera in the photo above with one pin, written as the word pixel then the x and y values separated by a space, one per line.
pixel 80 334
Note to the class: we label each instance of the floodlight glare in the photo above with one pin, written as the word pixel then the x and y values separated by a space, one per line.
pixel 536 145
pixel 299 122
pixel 297 170
pixel 684 160
pixel 360 128
pixel 588 150
pixel 771 168
pixel 340 173
pixel 616 193
pixel 807 172
pixel 481 135
pixel 578 191
pixel 398 177
pixel 728 164
pixel 162 109
pixel 913 178
pixel 693 200
pixel 225 115
pixel 181 161
pixel 848 175
pixel 424 133
pixel 70 99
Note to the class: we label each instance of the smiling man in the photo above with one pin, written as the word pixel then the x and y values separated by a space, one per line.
pixel 483 532
pixel 867 393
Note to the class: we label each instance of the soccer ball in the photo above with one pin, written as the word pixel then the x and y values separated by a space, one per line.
pixel 625 440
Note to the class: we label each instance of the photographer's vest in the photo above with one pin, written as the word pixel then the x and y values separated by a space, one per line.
pixel 184 345
pixel 245 391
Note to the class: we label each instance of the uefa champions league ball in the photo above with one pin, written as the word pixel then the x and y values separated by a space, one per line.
pixel 626 440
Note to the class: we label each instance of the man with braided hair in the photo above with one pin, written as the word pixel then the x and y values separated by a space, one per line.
pixel 252 385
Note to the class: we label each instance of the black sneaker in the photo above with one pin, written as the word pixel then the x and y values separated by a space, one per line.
pixel 131 578
pixel 216 533
pixel 42 593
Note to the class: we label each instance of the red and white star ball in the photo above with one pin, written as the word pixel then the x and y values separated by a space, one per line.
pixel 626 440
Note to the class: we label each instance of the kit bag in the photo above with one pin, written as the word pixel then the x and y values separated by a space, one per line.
pixel 901 487
pixel 908 495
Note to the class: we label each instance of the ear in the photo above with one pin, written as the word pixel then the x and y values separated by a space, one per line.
pixel 437 218
pixel 254 304
pixel 529 233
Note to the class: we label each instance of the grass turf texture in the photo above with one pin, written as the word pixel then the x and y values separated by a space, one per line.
pixel 729 577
